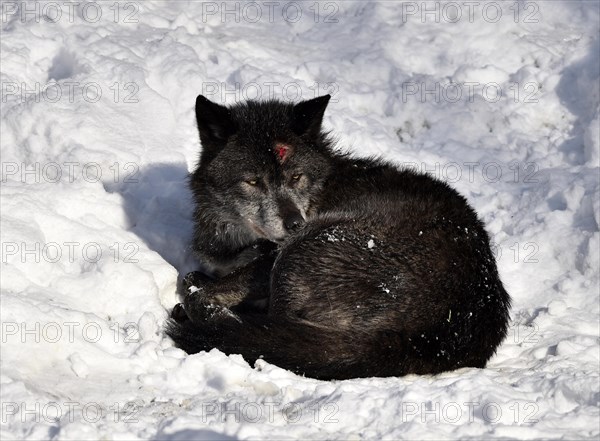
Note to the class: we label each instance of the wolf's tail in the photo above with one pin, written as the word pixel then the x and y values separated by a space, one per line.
pixel 298 346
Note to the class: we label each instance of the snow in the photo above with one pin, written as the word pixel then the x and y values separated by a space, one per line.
pixel 98 135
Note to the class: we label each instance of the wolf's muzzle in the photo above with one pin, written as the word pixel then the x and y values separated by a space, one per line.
pixel 291 216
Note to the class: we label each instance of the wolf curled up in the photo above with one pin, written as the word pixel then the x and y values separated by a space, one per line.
pixel 328 265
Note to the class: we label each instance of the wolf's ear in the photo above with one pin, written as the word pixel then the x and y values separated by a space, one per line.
pixel 214 122
pixel 308 115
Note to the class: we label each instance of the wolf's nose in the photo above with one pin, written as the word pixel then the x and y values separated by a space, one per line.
pixel 293 221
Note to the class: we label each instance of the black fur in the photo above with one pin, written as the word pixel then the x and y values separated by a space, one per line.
pixel 391 274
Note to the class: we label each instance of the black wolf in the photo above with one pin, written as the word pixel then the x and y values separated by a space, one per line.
pixel 327 265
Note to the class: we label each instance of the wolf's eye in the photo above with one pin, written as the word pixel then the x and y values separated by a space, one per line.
pixel 252 182
pixel 297 176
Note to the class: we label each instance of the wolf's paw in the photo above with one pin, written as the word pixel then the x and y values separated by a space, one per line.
pixel 178 313
pixel 194 282
pixel 200 310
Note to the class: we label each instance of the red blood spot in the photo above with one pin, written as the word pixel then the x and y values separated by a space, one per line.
pixel 282 151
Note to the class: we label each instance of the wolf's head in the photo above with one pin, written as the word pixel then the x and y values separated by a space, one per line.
pixel 262 164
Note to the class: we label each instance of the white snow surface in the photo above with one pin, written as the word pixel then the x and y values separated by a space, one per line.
pixel 501 99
